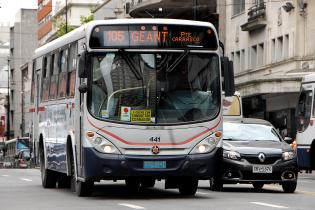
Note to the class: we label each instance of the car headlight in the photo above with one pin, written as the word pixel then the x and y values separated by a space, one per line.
pixel 207 145
pixel 101 144
pixel 231 155
pixel 288 155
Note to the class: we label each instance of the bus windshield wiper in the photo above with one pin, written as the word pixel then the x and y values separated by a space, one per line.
pixel 131 65
pixel 178 60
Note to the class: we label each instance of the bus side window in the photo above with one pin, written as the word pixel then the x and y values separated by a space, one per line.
pixel 33 83
pixel 45 80
pixel 62 81
pixel 72 69
pixel 54 76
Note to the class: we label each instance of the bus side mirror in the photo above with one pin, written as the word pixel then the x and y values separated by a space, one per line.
pixel 84 60
pixel 228 76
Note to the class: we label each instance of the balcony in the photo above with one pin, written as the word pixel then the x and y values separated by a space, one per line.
pixel 256 18
pixel 180 9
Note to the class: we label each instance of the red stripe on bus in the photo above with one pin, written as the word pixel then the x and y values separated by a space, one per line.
pixel 31 110
pixel 152 144
pixel 41 109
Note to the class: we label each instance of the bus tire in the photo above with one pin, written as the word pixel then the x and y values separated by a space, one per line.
pixel 289 187
pixel 84 189
pixel 48 176
pixel 147 182
pixel 188 187
pixel 64 181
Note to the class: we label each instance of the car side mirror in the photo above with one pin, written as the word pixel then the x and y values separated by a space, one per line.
pixel 288 140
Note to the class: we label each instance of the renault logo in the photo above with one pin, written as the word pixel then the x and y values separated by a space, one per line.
pixel 155 150
pixel 262 157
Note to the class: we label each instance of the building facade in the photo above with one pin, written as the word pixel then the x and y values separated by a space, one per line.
pixel 272 47
pixel 112 9
pixel 52 14
pixel 23 42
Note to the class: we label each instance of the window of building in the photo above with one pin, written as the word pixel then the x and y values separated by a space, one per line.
pixel 238 6
pixel 260 55
pixel 279 48
pixel 253 57
pixel 242 66
pixel 273 50
pixel 286 46
pixel 237 61
pixel 73 56
pixel 62 80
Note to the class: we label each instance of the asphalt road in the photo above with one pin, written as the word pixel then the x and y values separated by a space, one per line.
pixel 20 189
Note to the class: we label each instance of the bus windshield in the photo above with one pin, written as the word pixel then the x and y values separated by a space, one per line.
pixel 154 88
pixel 303 111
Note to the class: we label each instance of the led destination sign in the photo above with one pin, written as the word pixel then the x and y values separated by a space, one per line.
pixel 148 36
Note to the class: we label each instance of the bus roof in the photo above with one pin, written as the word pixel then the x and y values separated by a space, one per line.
pixel 85 29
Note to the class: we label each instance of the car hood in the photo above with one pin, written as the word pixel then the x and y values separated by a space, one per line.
pixel 255 147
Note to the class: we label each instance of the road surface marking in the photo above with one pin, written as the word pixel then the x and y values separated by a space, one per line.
pixel 269 205
pixel 202 193
pixel 5 175
pixel 131 206
pixel 27 180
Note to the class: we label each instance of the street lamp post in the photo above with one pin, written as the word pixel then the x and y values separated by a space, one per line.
pixel 8 105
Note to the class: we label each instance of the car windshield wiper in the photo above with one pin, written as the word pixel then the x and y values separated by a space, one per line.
pixel 131 65
pixel 177 61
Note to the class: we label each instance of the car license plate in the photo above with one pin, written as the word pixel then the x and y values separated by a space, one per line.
pixel 154 164
pixel 262 169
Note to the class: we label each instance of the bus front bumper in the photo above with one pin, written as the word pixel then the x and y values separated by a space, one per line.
pixel 99 166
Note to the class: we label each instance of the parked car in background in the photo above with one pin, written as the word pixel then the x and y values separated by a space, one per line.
pixel 255 153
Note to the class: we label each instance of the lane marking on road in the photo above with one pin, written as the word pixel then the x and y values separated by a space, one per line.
pixel 5 175
pixel 269 205
pixel 27 180
pixel 131 206
pixel 202 193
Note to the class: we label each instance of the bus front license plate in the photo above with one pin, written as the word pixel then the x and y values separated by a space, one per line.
pixel 264 169
pixel 154 164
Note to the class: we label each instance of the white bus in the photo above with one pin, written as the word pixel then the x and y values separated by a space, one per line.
pixel 132 99
pixel 305 118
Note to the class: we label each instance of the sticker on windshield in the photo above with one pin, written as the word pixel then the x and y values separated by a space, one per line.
pixel 141 116
pixel 125 113
pixel 104 114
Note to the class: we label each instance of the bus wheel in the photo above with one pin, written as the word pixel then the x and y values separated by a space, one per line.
pixel 188 187
pixel 64 181
pixel 48 177
pixel 147 182
pixel 258 185
pixel 289 187
pixel 132 184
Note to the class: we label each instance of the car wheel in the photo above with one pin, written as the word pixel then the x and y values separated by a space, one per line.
pixel 216 184
pixel 289 187
pixel 147 182
pixel 258 185
pixel 188 187
pixel 84 189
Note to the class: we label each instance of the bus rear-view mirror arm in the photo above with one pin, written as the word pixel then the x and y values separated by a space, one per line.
pixel 84 61
pixel 83 88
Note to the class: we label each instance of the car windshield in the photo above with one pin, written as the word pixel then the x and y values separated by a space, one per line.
pixel 154 88
pixel 249 132
pixel 22 144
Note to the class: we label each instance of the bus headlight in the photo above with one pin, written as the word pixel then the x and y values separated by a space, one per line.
pixel 103 145
pixel 205 146
pixel 288 155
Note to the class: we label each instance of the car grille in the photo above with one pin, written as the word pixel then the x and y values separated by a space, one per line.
pixel 255 160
